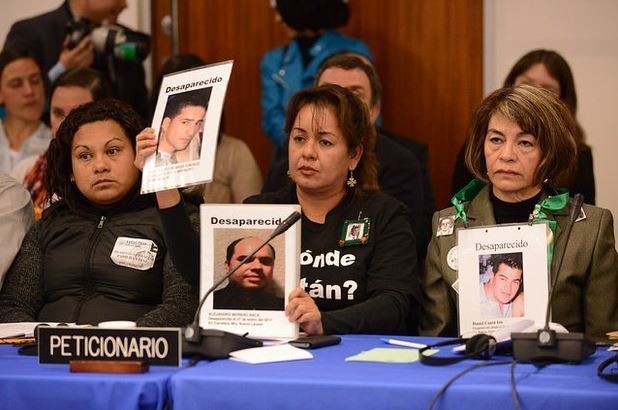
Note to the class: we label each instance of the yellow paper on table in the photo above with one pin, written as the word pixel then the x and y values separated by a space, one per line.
pixel 388 355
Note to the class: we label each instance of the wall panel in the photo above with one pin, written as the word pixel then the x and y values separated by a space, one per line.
pixel 428 53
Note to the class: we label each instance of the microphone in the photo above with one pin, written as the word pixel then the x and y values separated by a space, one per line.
pixel 217 344
pixel 547 346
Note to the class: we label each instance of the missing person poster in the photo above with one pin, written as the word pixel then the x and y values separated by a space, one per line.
pixel 252 300
pixel 503 276
pixel 186 123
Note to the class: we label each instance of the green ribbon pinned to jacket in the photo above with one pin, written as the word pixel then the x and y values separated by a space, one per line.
pixel 541 212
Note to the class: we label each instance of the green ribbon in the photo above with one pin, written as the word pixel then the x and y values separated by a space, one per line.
pixel 466 194
pixel 549 205
pixel 541 212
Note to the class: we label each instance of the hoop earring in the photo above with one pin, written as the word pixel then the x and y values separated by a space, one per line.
pixel 351 182
pixel 288 173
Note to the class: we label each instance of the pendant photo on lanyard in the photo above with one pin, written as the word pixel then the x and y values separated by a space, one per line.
pixel 446 225
pixel 355 232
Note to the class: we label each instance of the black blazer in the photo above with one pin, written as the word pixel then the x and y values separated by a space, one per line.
pixel 43 36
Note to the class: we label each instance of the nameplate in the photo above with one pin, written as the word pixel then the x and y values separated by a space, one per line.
pixel 154 346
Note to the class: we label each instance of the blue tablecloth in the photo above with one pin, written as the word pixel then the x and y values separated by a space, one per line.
pixel 26 384
pixel 329 382
pixel 325 382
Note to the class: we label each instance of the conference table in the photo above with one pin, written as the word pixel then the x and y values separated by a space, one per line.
pixel 26 384
pixel 327 381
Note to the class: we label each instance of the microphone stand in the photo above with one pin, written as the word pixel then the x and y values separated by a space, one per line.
pixel 217 344
pixel 547 346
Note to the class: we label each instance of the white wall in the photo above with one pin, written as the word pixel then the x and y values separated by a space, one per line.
pixel 585 33
pixel 136 15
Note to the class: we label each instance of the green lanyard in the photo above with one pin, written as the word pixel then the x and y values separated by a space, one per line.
pixel 466 194
pixel 549 205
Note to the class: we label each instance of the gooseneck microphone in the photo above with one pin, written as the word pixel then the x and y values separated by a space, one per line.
pixel 546 345
pixel 578 200
pixel 216 344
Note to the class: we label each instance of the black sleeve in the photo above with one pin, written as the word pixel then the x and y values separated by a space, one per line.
pixel 392 284
pixel 21 297
pixel 403 179
pixel 584 178
pixel 276 178
pixel 180 228
pixel 461 175
pixel 179 300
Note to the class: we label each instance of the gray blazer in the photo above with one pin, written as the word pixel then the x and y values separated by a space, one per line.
pixel 585 298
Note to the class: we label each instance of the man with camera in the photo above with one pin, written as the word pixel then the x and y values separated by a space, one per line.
pixel 76 35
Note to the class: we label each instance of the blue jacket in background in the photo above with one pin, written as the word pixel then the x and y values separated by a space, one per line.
pixel 283 74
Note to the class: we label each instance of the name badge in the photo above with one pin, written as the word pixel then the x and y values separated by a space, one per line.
pixel 155 346
pixel 134 253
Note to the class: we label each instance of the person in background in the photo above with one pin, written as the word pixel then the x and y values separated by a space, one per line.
pixel 16 217
pixel 332 164
pixel 311 25
pixel 71 89
pixel 399 171
pixel 22 93
pixel 236 174
pixel 522 141
pixel 98 253
pixel 47 37
pixel 547 69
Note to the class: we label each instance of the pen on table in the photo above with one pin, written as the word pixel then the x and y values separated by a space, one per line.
pixel 403 343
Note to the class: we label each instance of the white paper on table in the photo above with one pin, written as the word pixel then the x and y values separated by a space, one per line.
pixel 22 329
pixel 270 354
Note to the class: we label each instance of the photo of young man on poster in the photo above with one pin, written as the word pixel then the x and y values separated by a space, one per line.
pixel 182 127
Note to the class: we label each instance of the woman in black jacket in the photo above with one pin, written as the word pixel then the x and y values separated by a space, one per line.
pixel 99 253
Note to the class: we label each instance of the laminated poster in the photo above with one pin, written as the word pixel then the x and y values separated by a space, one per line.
pixel 252 301
pixel 503 276
pixel 186 123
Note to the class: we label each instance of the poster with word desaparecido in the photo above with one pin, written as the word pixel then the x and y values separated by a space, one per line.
pixel 252 300
pixel 186 124
pixel 503 276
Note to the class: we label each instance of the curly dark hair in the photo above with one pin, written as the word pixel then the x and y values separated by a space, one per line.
pixel 58 177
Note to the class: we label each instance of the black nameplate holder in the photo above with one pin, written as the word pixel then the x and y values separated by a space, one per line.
pixel 153 346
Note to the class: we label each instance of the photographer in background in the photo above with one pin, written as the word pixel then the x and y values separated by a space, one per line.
pixel 61 40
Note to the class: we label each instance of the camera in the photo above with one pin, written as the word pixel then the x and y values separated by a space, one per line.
pixel 111 40
pixel 76 31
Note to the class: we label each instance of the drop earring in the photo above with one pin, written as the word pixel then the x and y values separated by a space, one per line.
pixel 351 182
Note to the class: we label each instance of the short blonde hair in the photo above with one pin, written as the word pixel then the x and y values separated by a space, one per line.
pixel 538 112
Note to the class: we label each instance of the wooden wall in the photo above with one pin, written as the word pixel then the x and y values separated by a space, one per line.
pixel 428 53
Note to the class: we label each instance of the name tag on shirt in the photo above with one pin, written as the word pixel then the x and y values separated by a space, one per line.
pixel 134 253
